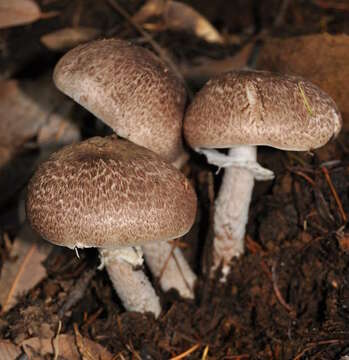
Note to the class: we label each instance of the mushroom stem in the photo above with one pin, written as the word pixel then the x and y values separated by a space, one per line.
pixel 231 210
pixel 168 263
pixel 129 281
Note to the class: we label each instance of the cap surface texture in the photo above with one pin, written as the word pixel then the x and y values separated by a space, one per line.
pixel 128 88
pixel 261 108
pixel 107 193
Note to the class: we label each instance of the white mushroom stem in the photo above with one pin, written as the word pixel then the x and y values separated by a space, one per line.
pixel 124 267
pixel 232 203
pixel 168 263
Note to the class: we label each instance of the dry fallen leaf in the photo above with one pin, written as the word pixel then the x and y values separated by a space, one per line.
pixel 65 347
pixel 9 351
pixel 208 68
pixel 28 106
pixel 24 269
pixel 177 16
pixel 18 12
pixel 30 111
pixel 68 38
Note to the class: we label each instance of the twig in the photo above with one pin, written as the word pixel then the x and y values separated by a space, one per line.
pixel 312 345
pixel 93 317
pixel 157 48
pixel 77 14
pixel 181 272
pixel 205 353
pixel 132 350
pixel 297 158
pixel 77 292
pixel 55 342
pixel 252 246
pixel 325 4
pixel 335 194
pixel 277 292
pixel 82 349
pixel 172 254
pixel 167 260
pixel 119 325
pixel 266 270
pixel 304 176
pixel 280 18
pixel 119 355
pixel 186 353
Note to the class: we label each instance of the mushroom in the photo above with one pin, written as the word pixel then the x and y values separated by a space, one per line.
pixel 129 89
pixel 240 110
pixel 132 91
pixel 116 196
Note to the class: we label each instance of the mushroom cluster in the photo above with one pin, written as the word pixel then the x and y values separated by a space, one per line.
pixel 127 196
pixel 132 91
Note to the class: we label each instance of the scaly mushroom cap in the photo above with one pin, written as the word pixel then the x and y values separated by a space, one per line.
pixel 128 88
pixel 261 108
pixel 106 192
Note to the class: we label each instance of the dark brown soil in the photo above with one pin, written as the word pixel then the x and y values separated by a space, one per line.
pixel 286 298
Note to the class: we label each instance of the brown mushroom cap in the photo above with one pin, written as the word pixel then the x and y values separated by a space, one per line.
pixel 106 192
pixel 261 108
pixel 128 88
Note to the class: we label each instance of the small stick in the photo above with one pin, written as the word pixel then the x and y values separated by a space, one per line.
pixel 77 292
pixel 167 260
pixel 312 345
pixel 82 349
pixel 172 254
pixel 93 317
pixel 205 353
pixel 305 177
pixel 55 342
pixel 132 350
pixel 280 18
pixel 180 270
pixel 333 5
pixel 186 353
pixel 335 194
pixel 266 269
pixel 278 293
pixel 252 246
